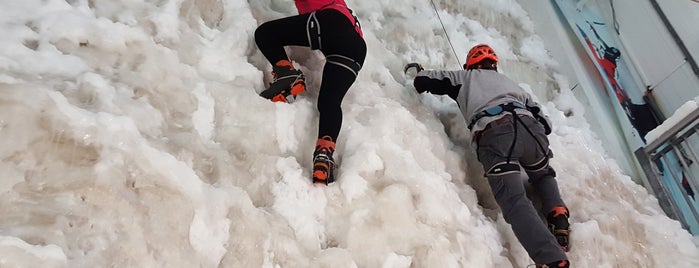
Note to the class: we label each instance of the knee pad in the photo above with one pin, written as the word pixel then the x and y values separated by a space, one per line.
pixel 503 168
pixel 345 62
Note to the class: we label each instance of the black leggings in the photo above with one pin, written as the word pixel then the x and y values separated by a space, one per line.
pixel 338 38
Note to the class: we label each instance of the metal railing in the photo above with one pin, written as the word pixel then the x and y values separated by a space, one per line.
pixel 671 165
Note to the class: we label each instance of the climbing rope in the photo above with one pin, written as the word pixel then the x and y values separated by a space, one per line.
pixel 445 33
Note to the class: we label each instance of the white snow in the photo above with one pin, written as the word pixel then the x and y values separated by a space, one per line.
pixel 133 136
pixel 685 109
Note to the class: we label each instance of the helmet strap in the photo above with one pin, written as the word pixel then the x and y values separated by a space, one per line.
pixel 482 66
pixel 485 64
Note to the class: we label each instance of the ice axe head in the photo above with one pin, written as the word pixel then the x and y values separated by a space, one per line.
pixel 415 65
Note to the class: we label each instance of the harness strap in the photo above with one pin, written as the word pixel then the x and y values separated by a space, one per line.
pixel 346 62
pixel 515 118
pixel 356 20
pixel 313 27
pixel 544 150
pixel 509 107
pixel 313 31
pixel 496 110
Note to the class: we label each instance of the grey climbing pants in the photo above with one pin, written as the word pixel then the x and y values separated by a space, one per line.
pixel 508 167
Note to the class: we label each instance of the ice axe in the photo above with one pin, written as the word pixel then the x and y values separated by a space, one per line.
pixel 415 65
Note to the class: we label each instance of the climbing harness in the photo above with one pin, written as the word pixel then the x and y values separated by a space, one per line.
pixel 496 110
pixel 313 31
pixel 507 167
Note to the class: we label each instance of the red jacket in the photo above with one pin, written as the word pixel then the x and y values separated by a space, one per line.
pixel 308 6
pixel 610 70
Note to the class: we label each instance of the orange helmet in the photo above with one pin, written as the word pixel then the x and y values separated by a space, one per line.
pixel 479 53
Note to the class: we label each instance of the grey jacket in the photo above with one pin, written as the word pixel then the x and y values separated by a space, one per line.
pixel 477 90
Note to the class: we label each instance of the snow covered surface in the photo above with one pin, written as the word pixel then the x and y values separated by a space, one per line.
pixel 682 112
pixel 134 137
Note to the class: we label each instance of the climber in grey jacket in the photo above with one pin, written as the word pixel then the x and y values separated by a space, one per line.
pixel 510 133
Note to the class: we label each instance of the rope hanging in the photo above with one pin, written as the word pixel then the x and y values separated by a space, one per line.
pixel 445 33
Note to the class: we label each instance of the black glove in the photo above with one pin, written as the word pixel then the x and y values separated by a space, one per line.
pixel 415 65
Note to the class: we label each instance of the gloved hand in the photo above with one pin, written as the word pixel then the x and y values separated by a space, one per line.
pixel 415 65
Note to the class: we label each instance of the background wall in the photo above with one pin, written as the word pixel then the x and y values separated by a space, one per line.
pixel 684 17
pixel 586 82
pixel 659 60
pixel 651 52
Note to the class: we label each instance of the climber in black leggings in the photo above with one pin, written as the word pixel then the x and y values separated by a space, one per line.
pixel 330 27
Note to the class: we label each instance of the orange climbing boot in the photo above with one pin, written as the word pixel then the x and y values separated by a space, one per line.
pixel 288 82
pixel 323 163
pixel 558 225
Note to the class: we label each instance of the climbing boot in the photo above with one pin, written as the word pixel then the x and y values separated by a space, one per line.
pixel 288 82
pixel 558 225
pixel 323 163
